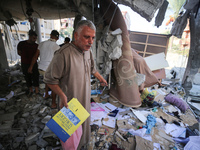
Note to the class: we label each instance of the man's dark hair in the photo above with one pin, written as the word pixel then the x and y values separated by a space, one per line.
pixel 55 33
pixel 31 33
pixel 67 39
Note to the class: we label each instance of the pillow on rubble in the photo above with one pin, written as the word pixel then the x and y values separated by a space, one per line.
pixel 178 102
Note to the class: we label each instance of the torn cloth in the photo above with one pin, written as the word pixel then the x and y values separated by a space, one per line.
pixel 179 25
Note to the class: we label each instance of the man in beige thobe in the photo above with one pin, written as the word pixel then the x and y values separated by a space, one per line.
pixel 68 75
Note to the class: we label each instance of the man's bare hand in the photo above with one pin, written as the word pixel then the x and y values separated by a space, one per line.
pixel 103 82
pixel 30 70
pixel 63 101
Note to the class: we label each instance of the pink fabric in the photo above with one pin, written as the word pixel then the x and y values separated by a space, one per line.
pixel 73 142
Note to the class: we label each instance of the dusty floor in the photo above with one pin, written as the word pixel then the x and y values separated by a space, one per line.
pixel 22 122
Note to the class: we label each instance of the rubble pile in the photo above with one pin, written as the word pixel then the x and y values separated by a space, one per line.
pixel 22 118
pixel 164 121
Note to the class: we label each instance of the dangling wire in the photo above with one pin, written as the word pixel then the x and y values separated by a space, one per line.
pixel 23 9
pixel 103 37
pixel 112 17
pixel 38 14
pixel 104 14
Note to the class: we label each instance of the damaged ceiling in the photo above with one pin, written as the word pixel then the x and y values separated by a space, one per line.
pixel 56 9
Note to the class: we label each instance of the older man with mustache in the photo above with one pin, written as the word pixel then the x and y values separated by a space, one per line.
pixel 69 73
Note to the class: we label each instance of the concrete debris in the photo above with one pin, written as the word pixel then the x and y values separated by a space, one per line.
pixel 32 147
pixel 22 122
pixel 31 138
pixel 22 118
pixel 111 45
pixel 145 127
pixel 46 119
pixel 42 143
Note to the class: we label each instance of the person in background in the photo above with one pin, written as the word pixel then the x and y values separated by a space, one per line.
pixel 46 52
pixel 68 75
pixel 67 40
pixel 27 49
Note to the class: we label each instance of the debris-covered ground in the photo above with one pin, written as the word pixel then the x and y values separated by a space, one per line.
pixel 164 121
pixel 22 118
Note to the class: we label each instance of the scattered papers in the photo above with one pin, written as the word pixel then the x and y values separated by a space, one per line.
pixel 107 107
pixel 96 107
pixel 193 144
pixel 140 132
pixel 95 115
pixel 140 116
pixel 109 121
pixel 174 130
pixel 156 146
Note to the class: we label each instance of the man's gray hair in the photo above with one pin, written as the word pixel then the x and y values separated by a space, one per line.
pixel 82 23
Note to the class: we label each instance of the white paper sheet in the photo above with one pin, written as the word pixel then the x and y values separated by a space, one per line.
pixel 174 130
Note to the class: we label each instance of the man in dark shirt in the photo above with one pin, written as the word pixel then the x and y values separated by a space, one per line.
pixel 67 40
pixel 26 49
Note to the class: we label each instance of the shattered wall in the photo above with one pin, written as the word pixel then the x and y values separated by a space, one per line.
pixel 146 8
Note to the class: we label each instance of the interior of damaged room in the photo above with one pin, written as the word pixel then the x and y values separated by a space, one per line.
pixel 147 51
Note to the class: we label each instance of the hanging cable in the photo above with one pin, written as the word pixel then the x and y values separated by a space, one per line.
pixel 37 13
pixel 103 37
pixel 23 9
pixel 104 14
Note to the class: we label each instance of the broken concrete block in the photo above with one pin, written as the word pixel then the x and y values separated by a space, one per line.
pixel 19 139
pixel 116 53
pixel 34 112
pixel 6 127
pixel 22 120
pixel 41 143
pixel 116 32
pixel 42 110
pixel 25 114
pixel 36 106
pixel 8 117
pixel 36 119
pixel 15 145
pixel 109 38
pixel 46 119
pixel 35 129
pixel 31 138
pixel 32 147
pixel 46 135
pixel 117 41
